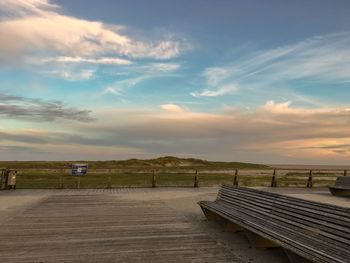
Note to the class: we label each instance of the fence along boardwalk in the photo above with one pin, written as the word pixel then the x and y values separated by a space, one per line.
pixel 41 178
pixel 315 231
pixel 103 228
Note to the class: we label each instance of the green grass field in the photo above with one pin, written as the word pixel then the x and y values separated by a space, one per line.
pixel 170 171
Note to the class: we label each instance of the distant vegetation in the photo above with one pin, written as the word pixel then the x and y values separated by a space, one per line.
pixel 166 171
pixel 162 162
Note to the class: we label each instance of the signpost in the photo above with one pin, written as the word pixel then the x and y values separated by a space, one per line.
pixel 79 169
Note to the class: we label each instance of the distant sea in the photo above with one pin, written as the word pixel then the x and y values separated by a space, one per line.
pixel 313 166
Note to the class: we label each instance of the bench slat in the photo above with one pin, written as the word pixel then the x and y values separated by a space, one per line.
pixel 333 210
pixel 319 232
pixel 281 238
pixel 287 209
pixel 299 227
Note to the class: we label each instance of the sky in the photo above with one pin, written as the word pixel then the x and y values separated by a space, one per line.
pixel 247 80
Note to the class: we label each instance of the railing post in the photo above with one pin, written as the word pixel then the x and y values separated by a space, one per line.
pixel 154 183
pixel 235 181
pixel 61 178
pixel 78 183
pixel 195 183
pixel 235 178
pixel 2 171
pixel 274 181
pixel 309 180
pixel 345 172
pixel 109 185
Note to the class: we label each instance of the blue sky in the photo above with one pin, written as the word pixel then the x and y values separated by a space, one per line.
pixel 257 81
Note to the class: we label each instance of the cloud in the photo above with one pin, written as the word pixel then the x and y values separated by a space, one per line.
pixel 321 60
pixel 273 132
pixel 72 74
pixel 21 137
pixel 40 27
pixel 111 90
pixel 17 107
pixel 154 68
pixel 101 61
pixel 27 7
pixel 220 91
pixel 140 73
pixel 119 86
pixel 172 108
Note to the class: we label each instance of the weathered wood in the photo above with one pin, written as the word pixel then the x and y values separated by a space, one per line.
pixel 309 180
pixel 235 180
pixel 61 179
pixel 154 180
pixel 2 179
pixel 342 186
pixel 210 215
pixel 232 227
pixel 294 258
pixel 273 181
pixel 78 227
pixel 109 182
pixel 259 241
pixel 196 183
pixel 315 231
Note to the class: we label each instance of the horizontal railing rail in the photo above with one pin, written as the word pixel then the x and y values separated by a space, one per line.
pixel 112 177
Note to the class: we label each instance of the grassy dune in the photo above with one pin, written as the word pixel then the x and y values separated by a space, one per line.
pixel 162 162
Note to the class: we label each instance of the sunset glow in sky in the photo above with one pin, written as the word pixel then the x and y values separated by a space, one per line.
pixel 255 81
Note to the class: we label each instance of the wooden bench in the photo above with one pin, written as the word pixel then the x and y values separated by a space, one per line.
pixel 342 186
pixel 314 231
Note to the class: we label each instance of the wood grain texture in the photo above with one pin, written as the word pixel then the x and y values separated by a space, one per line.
pixel 105 228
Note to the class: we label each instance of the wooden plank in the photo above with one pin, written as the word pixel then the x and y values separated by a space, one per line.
pixel 284 237
pixel 103 228
pixel 310 229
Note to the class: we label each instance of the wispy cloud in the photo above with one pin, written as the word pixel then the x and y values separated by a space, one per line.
pixel 118 87
pixel 27 7
pixel 138 74
pixel 77 60
pixel 111 90
pixel 219 91
pixel 21 108
pixel 323 59
pixel 72 73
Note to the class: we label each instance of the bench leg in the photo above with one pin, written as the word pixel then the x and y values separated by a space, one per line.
pixel 232 227
pixel 226 225
pixel 294 258
pixel 258 241
pixel 209 215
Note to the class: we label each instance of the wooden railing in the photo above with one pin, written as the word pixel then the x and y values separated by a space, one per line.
pixel 61 177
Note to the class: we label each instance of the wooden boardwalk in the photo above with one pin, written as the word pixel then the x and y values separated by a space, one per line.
pixel 105 228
